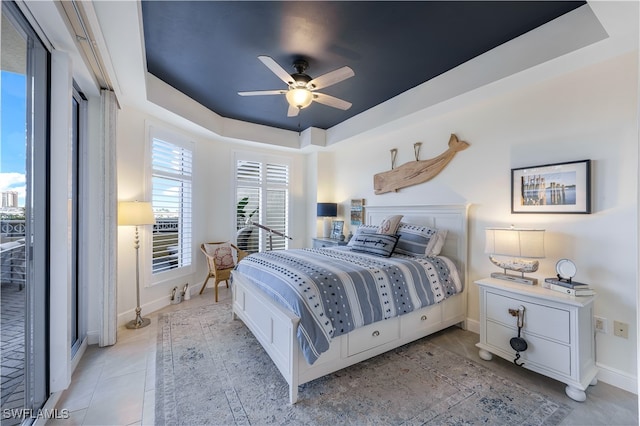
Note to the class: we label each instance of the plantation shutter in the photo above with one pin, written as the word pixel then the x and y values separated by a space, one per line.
pixel 262 194
pixel 171 199
pixel 277 191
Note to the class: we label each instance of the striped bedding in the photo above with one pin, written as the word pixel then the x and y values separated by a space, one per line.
pixel 335 290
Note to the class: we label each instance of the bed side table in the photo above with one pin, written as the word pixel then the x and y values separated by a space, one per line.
pixel 558 329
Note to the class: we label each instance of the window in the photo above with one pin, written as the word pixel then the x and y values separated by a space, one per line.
pixel 171 164
pixel 262 197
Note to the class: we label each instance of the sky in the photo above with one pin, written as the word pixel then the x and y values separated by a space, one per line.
pixel 13 105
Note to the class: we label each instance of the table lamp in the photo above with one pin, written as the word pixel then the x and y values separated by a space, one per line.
pixel 134 213
pixel 327 211
pixel 519 248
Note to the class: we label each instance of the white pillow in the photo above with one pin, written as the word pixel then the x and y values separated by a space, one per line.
pixel 436 243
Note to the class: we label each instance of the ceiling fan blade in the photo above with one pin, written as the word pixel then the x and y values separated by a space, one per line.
pixel 331 101
pixel 262 92
pixel 293 111
pixel 330 78
pixel 277 69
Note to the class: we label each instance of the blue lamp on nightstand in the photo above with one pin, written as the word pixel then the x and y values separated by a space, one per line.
pixel 327 211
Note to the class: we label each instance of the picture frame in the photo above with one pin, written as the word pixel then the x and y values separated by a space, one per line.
pixel 336 229
pixel 357 211
pixel 552 188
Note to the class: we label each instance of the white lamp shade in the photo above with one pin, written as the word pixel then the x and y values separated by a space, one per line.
pixel 135 213
pixel 515 242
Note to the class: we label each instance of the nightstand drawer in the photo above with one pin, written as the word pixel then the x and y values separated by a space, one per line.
pixel 550 355
pixel 542 320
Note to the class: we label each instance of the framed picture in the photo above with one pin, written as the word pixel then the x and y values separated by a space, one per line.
pixel 552 188
pixel 336 229
pixel 357 211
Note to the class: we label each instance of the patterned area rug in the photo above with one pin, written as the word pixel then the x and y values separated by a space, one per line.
pixel 211 370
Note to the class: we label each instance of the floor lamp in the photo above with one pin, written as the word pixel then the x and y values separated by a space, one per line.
pixel 134 213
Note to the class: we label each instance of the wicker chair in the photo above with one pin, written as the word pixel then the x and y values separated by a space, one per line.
pixel 220 261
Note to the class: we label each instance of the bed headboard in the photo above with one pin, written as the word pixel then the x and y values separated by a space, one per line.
pixel 453 218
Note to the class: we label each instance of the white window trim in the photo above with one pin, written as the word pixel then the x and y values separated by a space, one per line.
pixel 146 238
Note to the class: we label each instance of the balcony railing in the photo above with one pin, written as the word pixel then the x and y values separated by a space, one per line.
pixel 11 229
pixel 12 252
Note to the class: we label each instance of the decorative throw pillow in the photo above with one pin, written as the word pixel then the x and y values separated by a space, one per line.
pixel 420 240
pixel 389 224
pixel 221 254
pixel 362 229
pixel 376 244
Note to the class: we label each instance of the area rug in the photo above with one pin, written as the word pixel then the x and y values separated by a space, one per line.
pixel 211 370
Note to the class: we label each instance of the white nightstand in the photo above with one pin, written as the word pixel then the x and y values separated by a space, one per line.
pixel 557 328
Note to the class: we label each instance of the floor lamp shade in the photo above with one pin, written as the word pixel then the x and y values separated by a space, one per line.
pixel 136 213
pixel 327 211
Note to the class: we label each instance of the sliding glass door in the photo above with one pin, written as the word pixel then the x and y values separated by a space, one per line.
pixel 78 122
pixel 24 228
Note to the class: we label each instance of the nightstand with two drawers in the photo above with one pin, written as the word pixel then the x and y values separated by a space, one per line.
pixel 557 328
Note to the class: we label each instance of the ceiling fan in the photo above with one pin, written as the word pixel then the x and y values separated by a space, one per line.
pixel 302 88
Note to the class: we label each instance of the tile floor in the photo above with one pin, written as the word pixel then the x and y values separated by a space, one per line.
pixel 116 385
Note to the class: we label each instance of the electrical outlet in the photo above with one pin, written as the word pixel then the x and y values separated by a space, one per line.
pixel 600 324
pixel 621 329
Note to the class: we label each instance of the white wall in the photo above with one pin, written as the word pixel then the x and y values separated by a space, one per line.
pixel 213 208
pixel 587 114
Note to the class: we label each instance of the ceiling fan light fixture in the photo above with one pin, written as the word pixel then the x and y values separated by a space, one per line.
pixel 299 98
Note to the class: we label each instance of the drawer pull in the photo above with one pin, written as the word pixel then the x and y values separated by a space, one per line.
pixel 423 318
pixel 375 333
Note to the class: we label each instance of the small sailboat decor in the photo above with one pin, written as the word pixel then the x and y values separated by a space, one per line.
pixel 419 171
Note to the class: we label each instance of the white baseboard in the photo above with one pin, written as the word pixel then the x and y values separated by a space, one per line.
pixel 473 325
pixel 147 308
pixel 93 337
pixel 617 378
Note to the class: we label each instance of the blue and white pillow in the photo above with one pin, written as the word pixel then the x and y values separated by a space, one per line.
pixel 420 240
pixel 376 244
pixel 362 229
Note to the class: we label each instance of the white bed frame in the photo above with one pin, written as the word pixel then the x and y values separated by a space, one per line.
pixel 275 327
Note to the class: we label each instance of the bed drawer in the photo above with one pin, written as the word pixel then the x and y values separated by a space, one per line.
pixel 373 335
pixel 422 320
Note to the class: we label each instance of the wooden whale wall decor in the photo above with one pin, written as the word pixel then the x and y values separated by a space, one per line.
pixel 415 172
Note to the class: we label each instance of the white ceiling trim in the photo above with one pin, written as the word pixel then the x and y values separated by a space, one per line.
pixel 573 40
